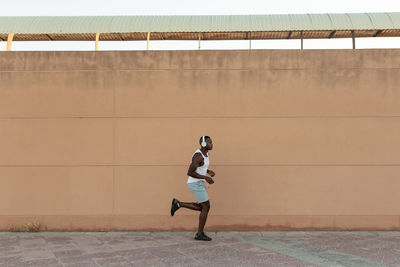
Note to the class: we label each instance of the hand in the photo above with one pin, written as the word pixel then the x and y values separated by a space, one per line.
pixel 209 180
pixel 211 173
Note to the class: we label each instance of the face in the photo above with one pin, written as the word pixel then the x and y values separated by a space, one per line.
pixel 209 144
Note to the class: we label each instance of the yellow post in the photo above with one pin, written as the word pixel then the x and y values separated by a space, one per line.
pixel 96 46
pixel 199 40
pixel 9 41
pixel 148 40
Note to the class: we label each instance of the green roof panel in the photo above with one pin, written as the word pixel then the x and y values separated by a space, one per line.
pixel 223 23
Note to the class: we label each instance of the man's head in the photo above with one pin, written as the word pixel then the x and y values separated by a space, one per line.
pixel 207 142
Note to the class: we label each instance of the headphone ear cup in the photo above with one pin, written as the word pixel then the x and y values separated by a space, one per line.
pixel 203 141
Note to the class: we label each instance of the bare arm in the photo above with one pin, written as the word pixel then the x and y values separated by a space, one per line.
pixel 211 173
pixel 197 162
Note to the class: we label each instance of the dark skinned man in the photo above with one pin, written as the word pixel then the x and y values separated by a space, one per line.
pixel 197 173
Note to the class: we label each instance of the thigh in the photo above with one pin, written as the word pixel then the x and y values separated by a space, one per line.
pixel 205 204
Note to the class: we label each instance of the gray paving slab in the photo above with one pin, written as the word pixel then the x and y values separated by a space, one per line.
pixel 285 248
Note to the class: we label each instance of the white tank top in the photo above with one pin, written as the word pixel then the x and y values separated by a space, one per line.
pixel 202 170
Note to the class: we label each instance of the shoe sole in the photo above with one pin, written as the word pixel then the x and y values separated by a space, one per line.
pixel 172 207
pixel 200 239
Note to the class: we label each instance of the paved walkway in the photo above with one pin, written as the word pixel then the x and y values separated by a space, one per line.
pixel 179 249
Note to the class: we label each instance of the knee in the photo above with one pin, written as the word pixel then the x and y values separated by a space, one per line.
pixel 205 206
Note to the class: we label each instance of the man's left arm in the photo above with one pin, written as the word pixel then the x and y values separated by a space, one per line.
pixel 211 173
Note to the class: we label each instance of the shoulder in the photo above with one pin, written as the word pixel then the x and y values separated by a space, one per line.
pixel 197 157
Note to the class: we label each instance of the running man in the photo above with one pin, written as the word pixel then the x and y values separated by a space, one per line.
pixel 197 173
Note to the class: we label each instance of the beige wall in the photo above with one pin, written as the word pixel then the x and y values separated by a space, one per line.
pixel 102 140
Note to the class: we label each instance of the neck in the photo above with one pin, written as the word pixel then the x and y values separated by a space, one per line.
pixel 204 150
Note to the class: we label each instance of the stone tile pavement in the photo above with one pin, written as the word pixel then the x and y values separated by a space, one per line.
pixel 289 248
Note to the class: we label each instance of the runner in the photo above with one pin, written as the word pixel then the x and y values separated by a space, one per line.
pixel 197 172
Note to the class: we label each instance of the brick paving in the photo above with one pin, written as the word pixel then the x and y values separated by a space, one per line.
pixel 289 248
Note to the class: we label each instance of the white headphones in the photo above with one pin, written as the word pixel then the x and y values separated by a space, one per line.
pixel 203 141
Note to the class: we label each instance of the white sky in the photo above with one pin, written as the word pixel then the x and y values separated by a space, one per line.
pixel 191 7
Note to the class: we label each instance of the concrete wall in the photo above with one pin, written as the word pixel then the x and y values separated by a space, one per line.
pixel 102 140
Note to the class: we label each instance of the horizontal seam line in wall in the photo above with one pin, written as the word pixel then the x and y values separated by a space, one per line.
pixel 230 215
pixel 203 117
pixel 214 165
pixel 205 69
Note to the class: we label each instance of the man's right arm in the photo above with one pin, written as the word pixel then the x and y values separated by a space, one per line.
pixel 197 159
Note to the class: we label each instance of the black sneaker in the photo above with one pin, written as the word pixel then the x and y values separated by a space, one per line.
pixel 174 206
pixel 202 236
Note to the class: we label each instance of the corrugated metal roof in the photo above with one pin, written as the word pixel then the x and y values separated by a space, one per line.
pixel 223 23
